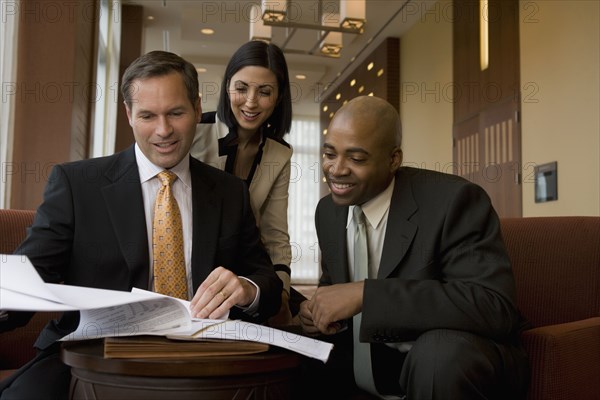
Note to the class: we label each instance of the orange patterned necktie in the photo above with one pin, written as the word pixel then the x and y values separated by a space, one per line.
pixel 167 242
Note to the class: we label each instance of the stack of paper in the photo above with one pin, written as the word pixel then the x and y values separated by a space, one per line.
pixel 161 347
pixel 111 313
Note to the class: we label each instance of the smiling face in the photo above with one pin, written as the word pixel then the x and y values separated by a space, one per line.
pixel 163 119
pixel 253 94
pixel 360 155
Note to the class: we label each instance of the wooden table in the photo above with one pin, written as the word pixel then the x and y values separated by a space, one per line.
pixel 266 375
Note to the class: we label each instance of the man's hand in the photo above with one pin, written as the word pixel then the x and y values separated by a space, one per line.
pixel 306 321
pixel 329 305
pixel 220 291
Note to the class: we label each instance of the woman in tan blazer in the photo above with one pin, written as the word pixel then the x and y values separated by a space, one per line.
pixel 245 137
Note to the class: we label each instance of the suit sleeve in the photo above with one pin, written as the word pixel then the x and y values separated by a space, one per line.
pixel 274 225
pixel 49 241
pixel 463 278
pixel 323 230
pixel 254 263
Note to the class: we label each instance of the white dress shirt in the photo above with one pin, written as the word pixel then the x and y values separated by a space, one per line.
pixel 182 190
pixel 376 213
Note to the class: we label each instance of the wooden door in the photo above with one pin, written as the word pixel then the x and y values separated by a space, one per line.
pixel 486 128
pixel 487 151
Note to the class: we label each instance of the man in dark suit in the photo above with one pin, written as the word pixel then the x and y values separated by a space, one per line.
pixel 94 227
pixel 436 316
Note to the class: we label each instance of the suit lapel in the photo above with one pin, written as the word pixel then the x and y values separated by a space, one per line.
pixel 273 159
pixel 205 226
pixel 400 231
pixel 340 254
pixel 124 202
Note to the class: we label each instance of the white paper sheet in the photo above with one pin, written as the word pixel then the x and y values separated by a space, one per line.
pixel 184 302
pixel 22 289
pixel 242 330
pixel 10 300
pixel 160 315
pixel 106 313
pixel 18 274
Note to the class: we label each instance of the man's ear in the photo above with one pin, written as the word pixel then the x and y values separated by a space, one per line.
pixel 128 111
pixel 198 108
pixel 396 161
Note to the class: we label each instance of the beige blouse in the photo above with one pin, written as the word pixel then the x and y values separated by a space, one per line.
pixel 268 189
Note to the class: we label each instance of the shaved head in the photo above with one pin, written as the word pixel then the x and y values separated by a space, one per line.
pixel 378 114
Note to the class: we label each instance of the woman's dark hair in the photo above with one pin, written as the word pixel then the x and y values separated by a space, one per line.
pixel 261 54
pixel 159 63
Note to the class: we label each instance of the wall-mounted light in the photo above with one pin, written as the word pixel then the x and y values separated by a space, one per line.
pixel 484 34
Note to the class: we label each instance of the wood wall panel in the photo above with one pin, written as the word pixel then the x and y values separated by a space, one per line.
pixel 84 72
pixel 465 45
pixel 486 128
pixel 381 80
pixel 55 63
pixel 131 48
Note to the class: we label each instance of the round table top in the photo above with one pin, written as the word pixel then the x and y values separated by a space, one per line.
pixel 89 355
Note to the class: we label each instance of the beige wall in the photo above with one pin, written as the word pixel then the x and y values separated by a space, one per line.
pixel 426 96
pixel 560 102
pixel 560 87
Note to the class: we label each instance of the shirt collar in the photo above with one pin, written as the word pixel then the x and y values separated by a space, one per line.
pixel 376 208
pixel 148 170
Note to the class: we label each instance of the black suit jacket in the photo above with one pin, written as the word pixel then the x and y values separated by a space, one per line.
pixel 443 264
pixel 91 231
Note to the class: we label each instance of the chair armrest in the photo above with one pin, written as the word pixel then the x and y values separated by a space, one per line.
pixel 564 359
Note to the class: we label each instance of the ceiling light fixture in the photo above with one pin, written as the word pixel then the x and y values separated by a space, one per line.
pixel 258 30
pixel 331 45
pixel 352 14
pixel 274 13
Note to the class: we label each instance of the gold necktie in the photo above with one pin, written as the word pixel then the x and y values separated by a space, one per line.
pixel 363 373
pixel 167 242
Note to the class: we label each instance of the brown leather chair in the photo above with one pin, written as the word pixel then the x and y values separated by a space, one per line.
pixel 556 263
pixel 16 347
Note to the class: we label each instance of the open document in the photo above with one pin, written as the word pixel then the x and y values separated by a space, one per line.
pixel 242 330
pixel 112 313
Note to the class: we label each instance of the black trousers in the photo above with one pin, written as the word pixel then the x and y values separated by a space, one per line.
pixel 45 377
pixel 442 365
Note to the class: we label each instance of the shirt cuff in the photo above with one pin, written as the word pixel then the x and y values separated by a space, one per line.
pixel 253 307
